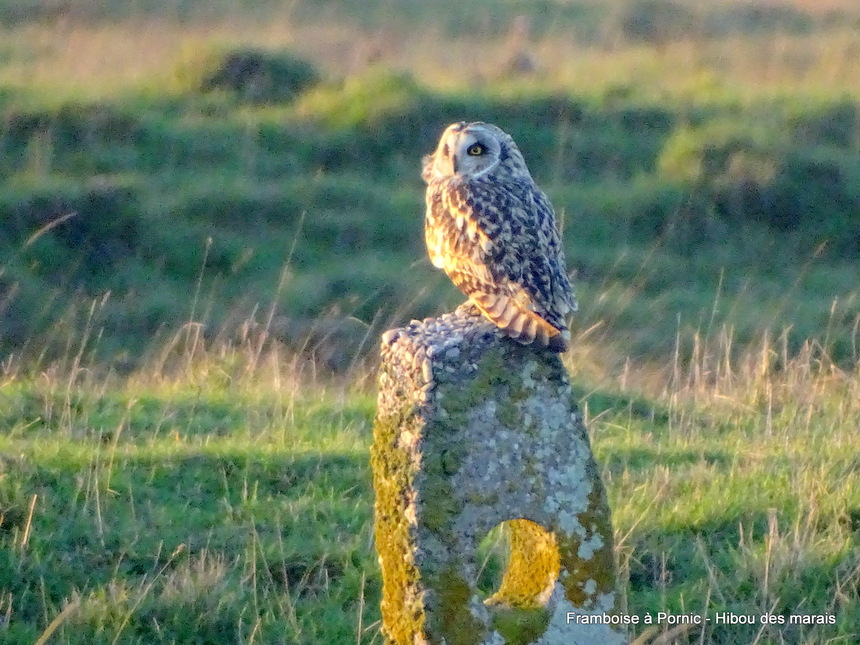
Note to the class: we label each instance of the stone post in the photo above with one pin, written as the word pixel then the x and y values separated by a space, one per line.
pixel 473 430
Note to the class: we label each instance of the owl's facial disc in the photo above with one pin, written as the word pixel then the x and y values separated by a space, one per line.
pixel 467 150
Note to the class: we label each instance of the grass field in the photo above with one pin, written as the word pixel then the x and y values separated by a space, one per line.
pixel 209 211
pixel 224 496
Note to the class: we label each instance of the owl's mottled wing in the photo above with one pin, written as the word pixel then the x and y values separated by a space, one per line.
pixel 500 247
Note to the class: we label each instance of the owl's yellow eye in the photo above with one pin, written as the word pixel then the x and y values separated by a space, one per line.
pixel 475 150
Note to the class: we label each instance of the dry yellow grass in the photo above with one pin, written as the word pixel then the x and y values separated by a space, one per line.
pixel 76 58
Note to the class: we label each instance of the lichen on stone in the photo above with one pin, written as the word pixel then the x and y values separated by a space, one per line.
pixel 474 430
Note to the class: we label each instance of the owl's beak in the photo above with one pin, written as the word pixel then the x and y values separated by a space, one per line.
pixel 454 164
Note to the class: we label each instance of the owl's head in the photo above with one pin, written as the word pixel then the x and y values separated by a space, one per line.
pixel 471 150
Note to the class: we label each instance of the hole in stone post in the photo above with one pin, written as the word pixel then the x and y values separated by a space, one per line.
pixel 518 568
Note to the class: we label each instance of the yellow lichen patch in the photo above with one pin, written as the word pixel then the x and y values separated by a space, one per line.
pixel 518 607
pixel 533 566
pixel 402 605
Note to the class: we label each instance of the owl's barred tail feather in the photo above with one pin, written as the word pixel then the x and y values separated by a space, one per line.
pixel 520 323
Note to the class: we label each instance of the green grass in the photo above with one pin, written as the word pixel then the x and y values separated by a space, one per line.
pixel 155 199
pixel 225 497
pixel 742 507
pixel 148 166
pixel 186 509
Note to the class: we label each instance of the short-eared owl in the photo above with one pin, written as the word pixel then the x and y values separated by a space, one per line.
pixel 494 233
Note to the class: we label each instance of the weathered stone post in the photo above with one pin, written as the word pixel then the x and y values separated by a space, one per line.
pixel 472 430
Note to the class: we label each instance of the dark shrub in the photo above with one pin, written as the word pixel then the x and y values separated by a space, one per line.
pixel 93 224
pixel 808 191
pixel 653 21
pixel 260 76
pixel 756 18
pixel 831 125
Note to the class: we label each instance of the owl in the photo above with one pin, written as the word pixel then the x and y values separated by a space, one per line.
pixel 494 233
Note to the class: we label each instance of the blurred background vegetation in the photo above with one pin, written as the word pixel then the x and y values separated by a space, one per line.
pixel 178 178
pixel 236 163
